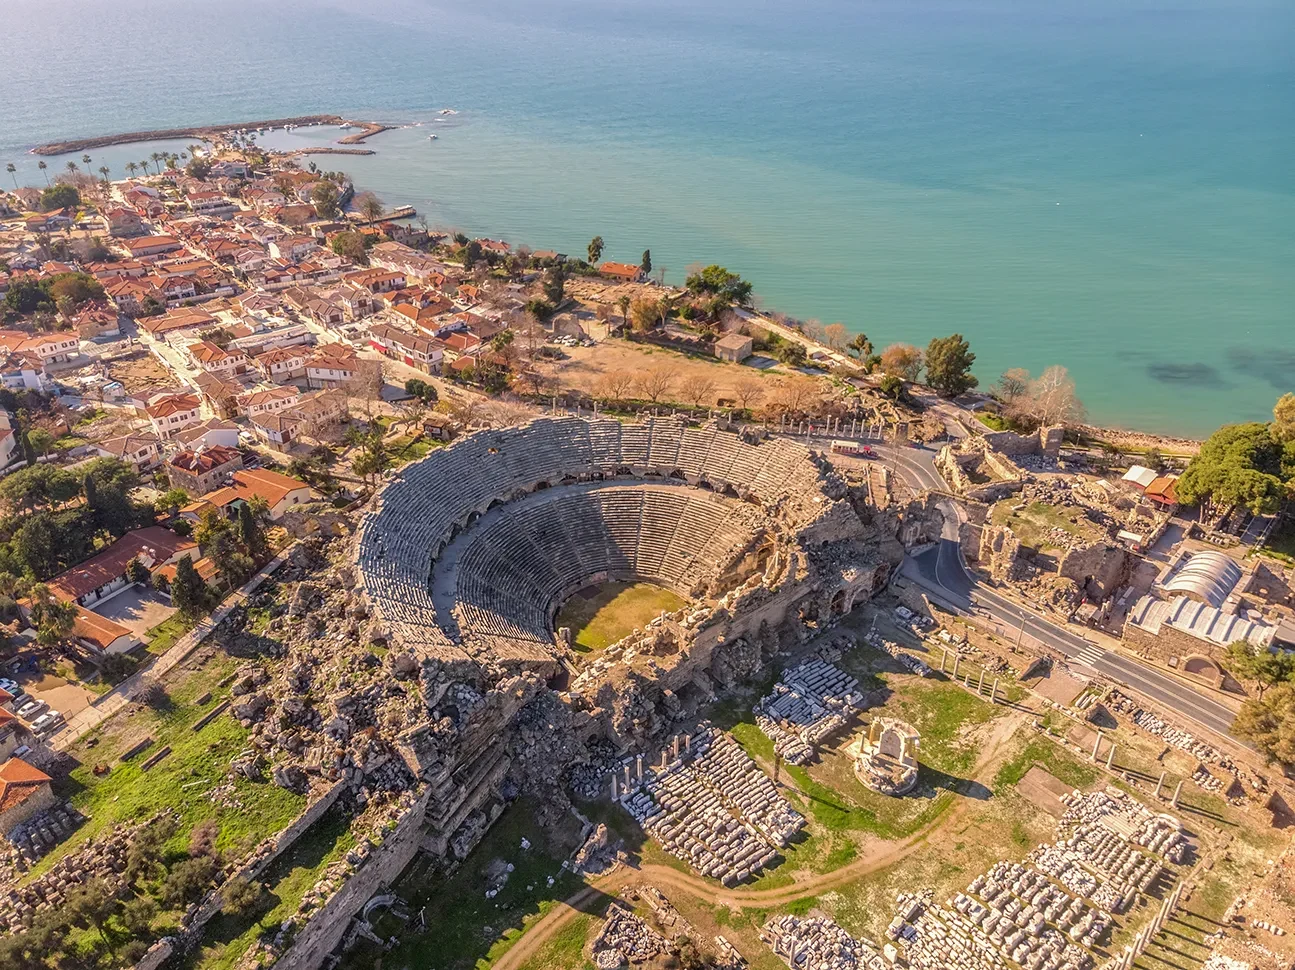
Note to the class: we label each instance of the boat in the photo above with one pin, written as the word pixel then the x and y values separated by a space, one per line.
pixel 448 111
pixel 431 138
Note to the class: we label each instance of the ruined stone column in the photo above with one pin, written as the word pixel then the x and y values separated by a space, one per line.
pixel 980 684
pixel 1110 756
pixel 687 743
pixel 1097 743
pixel 1160 783
pixel 957 659
pixel 676 745
pixel 638 766
pixel 993 693
pixel 615 792
pixel 944 655
pixel 1177 791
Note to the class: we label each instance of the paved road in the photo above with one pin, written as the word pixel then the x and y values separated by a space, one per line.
pixel 941 569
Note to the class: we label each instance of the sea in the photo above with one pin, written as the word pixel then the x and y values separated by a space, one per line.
pixel 1108 185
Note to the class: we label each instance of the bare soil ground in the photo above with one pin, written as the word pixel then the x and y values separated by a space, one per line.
pixel 1043 790
pixel 584 367
pixel 139 372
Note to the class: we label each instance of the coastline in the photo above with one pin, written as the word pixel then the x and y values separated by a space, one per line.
pixel 1124 436
pixel 368 129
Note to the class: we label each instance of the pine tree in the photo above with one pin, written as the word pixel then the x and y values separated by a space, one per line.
pixel 188 588
pixel 91 493
pixel 250 532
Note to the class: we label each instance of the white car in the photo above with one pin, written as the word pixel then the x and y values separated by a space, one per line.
pixel 29 710
pixel 47 724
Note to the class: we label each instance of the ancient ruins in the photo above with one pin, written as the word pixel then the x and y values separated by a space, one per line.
pixel 887 756
pixel 810 703
pixel 710 806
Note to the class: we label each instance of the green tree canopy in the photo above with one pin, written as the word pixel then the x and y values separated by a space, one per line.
pixel 351 245
pixel 1260 667
pixel 595 249
pixel 75 288
pixel 1269 723
pixel 324 196
pixel 718 281
pixel 1240 464
pixel 59 196
pixel 188 592
pixel 555 281
pixel 1284 418
pixel 948 365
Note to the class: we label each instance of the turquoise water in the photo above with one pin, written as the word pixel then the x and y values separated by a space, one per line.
pixel 1104 185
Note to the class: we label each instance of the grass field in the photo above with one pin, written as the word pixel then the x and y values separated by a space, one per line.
pixel 1032 523
pixel 613 611
pixel 198 762
pixel 162 637
pixel 464 928
pixel 226 938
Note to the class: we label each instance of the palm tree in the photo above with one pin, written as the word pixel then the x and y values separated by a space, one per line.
pixel 183 156
pixel 143 163
pixel 42 166
pixel 104 170
pixel 71 166
pixel 170 162
pixel 157 157
pixel 11 168
pixel 131 169
pixel 85 159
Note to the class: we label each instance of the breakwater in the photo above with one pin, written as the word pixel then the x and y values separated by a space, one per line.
pixel 202 132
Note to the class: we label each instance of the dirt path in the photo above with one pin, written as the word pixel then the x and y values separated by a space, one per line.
pixel 665 877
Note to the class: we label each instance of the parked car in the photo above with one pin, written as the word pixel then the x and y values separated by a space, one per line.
pixel 47 724
pixel 12 686
pixel 29 710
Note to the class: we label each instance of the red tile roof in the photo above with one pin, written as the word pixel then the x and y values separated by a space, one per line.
pixel 158 543
pixel 19 781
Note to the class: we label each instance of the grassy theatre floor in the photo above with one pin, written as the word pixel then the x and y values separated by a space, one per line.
pixel 601 615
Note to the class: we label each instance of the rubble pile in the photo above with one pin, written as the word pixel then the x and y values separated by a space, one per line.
pixel 914 665
pixel 667 917
pixel 589 779
pixel 726 956
pixel 598 852
pixel 1050 911
pixel 626 939
pixel 1217 961
pixel 1128 819
pixel 102 859
pixel 29 841
pixel 809 704
pixel 1203 751
pixel 805 942
pixel 714 809
pixel 330 710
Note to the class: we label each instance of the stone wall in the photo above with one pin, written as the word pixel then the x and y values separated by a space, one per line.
pixel 326 927
pixel 995 548
pixel 1099 569
pixel 1046 441
pixel 1170 645
pixel 260 859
